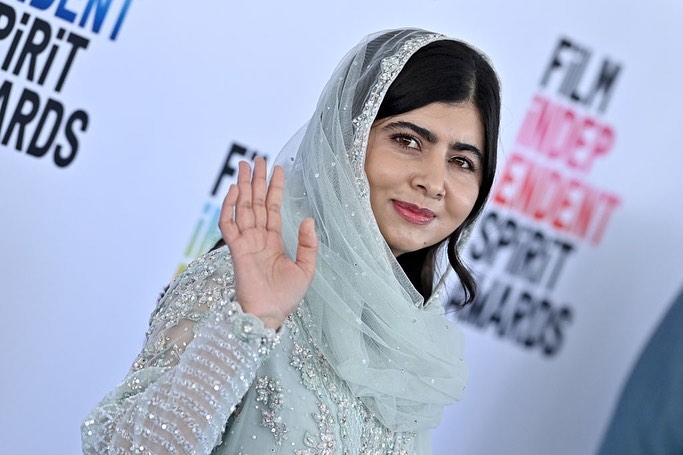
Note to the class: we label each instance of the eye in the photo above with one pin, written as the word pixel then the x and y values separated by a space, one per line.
pixel 406 141
pixel 462 162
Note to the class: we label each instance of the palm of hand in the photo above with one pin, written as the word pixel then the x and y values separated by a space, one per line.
pixel 268 283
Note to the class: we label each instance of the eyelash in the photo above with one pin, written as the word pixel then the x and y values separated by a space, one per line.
pixel 403 139
pixel 470 164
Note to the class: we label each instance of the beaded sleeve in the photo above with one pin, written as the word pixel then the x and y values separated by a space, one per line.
pixel 200 357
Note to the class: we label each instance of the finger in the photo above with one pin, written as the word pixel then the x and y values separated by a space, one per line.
pixel 274 200
pixel 259 188
pixel 226 221
pixel 307 249
pixel 244 213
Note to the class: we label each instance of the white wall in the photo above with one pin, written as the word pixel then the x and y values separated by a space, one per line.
pixel 86 248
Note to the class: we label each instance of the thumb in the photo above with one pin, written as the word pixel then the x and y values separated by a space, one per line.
pixel 307 249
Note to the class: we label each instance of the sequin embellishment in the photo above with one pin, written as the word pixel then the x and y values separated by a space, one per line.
pixel 269 394
pixel 340 414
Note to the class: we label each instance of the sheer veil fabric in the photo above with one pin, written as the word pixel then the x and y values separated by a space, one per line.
pixel 398 354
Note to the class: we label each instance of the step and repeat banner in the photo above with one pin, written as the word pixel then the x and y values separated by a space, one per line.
pixel 122 123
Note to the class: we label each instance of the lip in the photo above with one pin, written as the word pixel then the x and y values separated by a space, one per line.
pixel 412 213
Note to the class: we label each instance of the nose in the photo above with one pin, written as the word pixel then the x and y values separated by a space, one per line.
pixel 429 177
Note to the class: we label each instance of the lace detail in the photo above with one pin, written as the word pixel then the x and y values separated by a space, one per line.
pixel 269 394
pixel 325 442
pixel 200 359
pixel 340 414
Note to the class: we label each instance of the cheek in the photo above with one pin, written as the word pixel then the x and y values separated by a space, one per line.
pixel 380 176
pixel 371 172
pixel 463 200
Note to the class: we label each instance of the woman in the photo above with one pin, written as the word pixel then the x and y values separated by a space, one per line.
pixel 342 349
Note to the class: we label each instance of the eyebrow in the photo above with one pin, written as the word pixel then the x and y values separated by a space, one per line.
pixel 432 138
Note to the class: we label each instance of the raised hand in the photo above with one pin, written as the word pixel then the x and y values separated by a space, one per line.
pixel 268 283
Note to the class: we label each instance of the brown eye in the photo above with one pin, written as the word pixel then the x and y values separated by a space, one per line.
pixel 463 163
pixel 406 141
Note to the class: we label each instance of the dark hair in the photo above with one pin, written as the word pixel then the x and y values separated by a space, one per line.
pixel 452 72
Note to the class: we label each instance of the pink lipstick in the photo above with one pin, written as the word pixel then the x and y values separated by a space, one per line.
pixel 413 213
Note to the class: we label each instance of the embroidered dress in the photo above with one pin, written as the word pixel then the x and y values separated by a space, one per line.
pixel 363 366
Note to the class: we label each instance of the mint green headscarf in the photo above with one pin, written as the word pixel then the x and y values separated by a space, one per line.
pixel 400 356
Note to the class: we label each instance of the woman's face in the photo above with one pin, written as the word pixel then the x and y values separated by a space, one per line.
pixel 424 168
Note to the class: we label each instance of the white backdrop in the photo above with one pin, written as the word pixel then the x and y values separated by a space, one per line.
pixel 87 247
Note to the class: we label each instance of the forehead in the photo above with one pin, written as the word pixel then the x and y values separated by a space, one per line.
pixel 460 122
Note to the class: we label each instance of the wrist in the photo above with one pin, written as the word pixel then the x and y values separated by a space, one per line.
pixel 248 327
pixel 270 322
